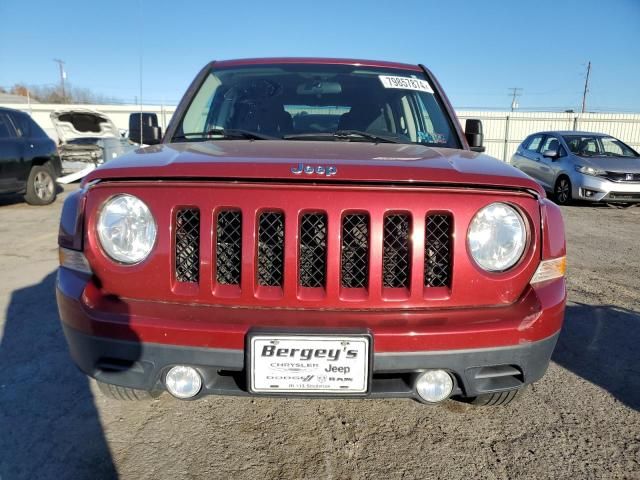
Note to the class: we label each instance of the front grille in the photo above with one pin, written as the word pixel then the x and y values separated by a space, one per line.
pixel 437 251
pixel 228 247
pixel 313 250
pixel 355 251
pixel 270 249
pixel 312 266
pixel 396 254
pixel 187 253
pixel 623 177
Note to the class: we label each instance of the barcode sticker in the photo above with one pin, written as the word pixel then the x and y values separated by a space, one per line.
pixel 405 83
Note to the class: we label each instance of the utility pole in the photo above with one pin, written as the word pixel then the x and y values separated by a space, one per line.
pixel 586 88
pixel 515 93
pixel 63 76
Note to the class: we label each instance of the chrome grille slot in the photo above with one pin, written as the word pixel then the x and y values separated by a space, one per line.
pixel 437 251
pixel 228 247
pixel 270 249
pixel 187 245
pixel 396 253
pixel 313 250
pixel 355 251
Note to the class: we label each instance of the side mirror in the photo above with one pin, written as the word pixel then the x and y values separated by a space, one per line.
pixel 552 154
pixel 144 129
pixel 475 137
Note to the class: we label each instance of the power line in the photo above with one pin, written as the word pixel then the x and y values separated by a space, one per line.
pixel 515 93
pixel 586 88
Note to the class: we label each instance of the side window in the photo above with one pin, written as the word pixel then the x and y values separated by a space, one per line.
pixel 533 143
pixel 195 120
pixel 550 143
pixel 21 123
pixel 6 127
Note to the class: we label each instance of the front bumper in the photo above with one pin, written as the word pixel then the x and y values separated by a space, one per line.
pixel 597 189
pixel 133 344
pixel 144 365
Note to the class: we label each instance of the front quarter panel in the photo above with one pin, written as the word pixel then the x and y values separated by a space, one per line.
pixel 553 234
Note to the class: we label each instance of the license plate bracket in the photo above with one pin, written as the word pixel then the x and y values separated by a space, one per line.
pixel 336 363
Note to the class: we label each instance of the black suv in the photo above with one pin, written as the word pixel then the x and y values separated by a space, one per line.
pixel 29 161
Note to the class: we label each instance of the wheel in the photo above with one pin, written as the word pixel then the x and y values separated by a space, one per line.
pixel 117 392
pixel 494 399
pixel 41 186
pixel 562 191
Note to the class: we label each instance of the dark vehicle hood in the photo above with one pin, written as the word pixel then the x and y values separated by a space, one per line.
pixel 613 164
pixel 357 162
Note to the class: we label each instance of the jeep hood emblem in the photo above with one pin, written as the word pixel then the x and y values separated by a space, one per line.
pixel 328 170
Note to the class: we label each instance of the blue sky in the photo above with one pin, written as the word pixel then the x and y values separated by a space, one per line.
pixel 477 49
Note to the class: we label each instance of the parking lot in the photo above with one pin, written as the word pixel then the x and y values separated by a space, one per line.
pixel 582 420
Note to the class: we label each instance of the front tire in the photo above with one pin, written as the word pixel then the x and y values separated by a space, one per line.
pixel 562 191
pixel 41 185
pixel 116 392
pixel 495 399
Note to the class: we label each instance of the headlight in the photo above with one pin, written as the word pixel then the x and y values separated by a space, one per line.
pixel 497 237
pixel 596 172
pixel 126 229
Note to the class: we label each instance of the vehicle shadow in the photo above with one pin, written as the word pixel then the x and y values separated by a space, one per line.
pixel 49 424
pixel 11 199
pixel 600 344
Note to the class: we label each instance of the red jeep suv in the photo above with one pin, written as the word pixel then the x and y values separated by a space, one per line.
pixel 312 227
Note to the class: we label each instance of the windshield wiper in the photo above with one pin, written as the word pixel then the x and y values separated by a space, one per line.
pixel 343 135
pixel 225 133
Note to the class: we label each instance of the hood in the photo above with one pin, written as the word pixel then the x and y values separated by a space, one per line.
pixel 612 164
pixel 82 123
pixel 353 161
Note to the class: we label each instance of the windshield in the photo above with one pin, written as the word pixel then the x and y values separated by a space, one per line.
pixel 317 102
pixel 592 145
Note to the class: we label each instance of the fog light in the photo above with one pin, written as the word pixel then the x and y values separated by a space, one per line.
pixel 434 385
pixel 588 193
pixel 183 382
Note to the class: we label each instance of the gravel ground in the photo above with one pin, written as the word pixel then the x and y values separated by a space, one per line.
pixel 582 420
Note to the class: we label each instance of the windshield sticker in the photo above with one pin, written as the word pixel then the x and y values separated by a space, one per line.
pixel 426 137
pixel 405 83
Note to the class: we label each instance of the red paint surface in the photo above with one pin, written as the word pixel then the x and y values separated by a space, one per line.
pixel 144 303
pixel 537 315
pixel 356 162
pixel 153 279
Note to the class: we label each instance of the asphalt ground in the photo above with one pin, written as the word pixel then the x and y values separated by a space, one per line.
pixel 582 420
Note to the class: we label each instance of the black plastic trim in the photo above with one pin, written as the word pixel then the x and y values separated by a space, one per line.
pixel 143 365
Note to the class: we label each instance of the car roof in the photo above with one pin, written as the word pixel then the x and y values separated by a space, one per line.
pixel 13 110
pixel 571 132
pixel 315 61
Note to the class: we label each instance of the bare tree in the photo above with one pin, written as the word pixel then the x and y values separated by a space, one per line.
pixel 53 94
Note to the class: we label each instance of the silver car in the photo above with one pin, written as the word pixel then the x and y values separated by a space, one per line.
pixel 581 166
